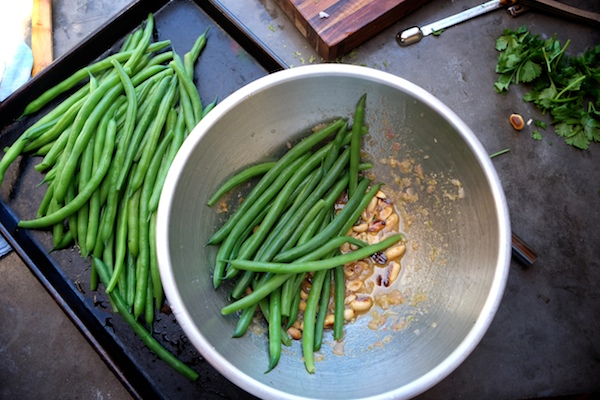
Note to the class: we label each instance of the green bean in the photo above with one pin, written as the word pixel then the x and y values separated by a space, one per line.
pixel 258 294
pixel 335 148
pixel 322 313
pixel 270 176
pixel 120 246
pixel 209 107
pixel 160 58
pixel 295 303
pixel 149 304
pixel 244 321
pixel 339 289
pixel 43 207
pixel 189 59
pixel 154 268
pixel 332 229
pixel 306 266
pixel 355 145
pixel 66 241
pixel 239 178
pixel 131 279
pixel 84 195
pixel 148 340
pixel 274 328
pixel 308 331
pixel 133 228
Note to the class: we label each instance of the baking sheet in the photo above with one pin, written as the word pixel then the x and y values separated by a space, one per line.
pixel 231 59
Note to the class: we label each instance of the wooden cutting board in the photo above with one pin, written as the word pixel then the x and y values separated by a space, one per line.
pixel 349 22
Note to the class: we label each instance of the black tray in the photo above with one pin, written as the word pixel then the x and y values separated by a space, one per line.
pixel 232 58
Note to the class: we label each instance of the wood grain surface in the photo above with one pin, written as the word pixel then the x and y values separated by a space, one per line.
pixel 348 23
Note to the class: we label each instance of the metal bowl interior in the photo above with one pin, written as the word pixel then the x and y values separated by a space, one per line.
pixel 454 215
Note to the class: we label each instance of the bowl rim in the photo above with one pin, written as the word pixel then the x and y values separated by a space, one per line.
pixel 494 297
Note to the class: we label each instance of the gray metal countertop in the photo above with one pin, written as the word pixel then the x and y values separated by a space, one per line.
pixel 545 339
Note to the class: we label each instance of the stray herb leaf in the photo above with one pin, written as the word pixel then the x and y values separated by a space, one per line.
pixel 536 135
pixel 568 88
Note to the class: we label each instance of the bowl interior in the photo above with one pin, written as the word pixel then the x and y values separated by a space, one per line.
pixel 454 217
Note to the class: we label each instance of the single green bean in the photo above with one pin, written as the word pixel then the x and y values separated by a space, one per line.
pixel 296 297
pixel 133 228
pixel 148 340
pixel 308 331
pixel 120 246
pixel 154 268
pixel 339 289
pixel 43 207
pixel 322 313
pixel 84 195
pixel 355 144
pixel 131 284
pixel 189 59
pixel 244 321
pixel 149 304
pixel 239 178
pixel 335 148
pixel 274 328
pixel 307 266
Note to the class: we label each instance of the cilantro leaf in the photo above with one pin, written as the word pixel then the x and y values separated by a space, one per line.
pixel 536 135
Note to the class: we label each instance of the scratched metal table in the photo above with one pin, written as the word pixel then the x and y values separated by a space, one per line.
pixel 545 339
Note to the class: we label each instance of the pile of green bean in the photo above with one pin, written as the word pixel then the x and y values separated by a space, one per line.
pixel 106 151
pixel 287 229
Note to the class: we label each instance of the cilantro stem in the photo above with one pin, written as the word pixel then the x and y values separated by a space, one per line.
pixel 569 86
pixel 499 153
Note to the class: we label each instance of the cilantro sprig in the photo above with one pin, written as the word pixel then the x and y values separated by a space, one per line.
pixel 568 88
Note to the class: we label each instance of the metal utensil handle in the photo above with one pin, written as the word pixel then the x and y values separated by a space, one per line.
pixel 559 8
pixel 415 34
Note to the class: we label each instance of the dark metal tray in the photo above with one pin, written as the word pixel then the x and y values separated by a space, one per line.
pixel 232 58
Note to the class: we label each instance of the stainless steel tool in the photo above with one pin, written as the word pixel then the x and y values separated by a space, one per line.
pixel 515 7
pixel 415 34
